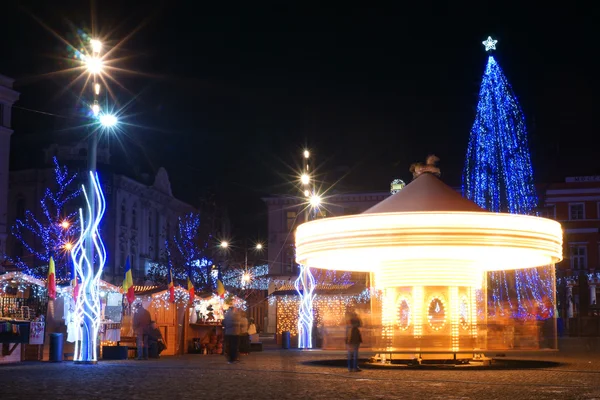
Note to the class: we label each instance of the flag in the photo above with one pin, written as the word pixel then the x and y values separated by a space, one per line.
pixel 191 290
pixel 190 286
pixel 128 283
pixel 74 283
pixel 171 286
pixel 51 282
pixel 220 288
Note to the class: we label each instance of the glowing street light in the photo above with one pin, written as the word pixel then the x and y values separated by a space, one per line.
pixel 96 45
pixel 315 200
pixel 224 244
pixel 94 65
pixel 307 193
pixel 305 179
pixel 259 246
pixel 108 120
pixel 95 108
pixel 65 224
pixel 68 246
pixel 306 154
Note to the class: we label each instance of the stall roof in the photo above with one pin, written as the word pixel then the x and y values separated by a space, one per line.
pixel 21 277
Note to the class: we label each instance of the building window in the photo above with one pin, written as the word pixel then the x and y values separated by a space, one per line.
pixel 547 212
pixel 21 208
pixel 290 262
pixel 578 257
pixel 123 214
pixel 291 219
pixel 150 228
pixel 576 211
pixel 134 217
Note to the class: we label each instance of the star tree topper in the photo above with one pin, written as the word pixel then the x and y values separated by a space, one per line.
pixel 490 44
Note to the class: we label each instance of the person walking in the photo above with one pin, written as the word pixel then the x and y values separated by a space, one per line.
pixel 353 341
pixel 232 333
pixel 141 326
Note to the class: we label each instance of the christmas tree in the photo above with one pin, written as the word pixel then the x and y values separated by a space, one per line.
pixel 498 174
pixel 52 233
pixel 498 177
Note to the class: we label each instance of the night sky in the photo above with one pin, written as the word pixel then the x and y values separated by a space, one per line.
pixel 226 98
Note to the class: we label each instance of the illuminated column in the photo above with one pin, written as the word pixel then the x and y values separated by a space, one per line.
pixel 454 315
pixel 417 306
pixel 388 316
pixel 88 306
pixel 305 286
pixel 570 284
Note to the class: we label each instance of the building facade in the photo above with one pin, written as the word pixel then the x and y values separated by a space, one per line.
pixel 575 203
pixel 284 215
pixel 7 98
pixel 138 219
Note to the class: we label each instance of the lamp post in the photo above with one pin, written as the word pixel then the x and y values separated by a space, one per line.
pixel 89 253
pixel 305 283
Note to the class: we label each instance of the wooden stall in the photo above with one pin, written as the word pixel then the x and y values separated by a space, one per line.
pixel 23 305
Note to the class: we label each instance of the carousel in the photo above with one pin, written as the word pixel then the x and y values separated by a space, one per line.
pixel 430 253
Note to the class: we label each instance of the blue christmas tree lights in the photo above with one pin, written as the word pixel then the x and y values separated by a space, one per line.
pixel 498 176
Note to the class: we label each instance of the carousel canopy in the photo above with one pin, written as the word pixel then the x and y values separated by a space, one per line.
pixel 428 232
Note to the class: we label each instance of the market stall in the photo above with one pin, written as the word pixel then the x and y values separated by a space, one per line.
pixel 60 317
pixel 23 305
pixel 204 330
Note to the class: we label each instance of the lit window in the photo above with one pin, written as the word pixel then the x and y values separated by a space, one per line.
pixel 578 257
pixel 291 219
pixel 576 211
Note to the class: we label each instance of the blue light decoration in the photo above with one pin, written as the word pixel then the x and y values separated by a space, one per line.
pixel 498 176
pixel 53 232
pixel 87 307
pixel 305 286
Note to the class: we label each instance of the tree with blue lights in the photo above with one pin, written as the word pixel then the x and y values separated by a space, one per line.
pixel 187 251
pixel 54 232
pixel 498 176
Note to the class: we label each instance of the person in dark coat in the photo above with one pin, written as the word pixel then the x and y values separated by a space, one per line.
pixel 156 344
pixel 353 341
pixel 141 325
pixel 231 323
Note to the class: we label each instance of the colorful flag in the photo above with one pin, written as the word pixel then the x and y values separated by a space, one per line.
pixel 51 282
pixel 128 283
pixel 171 286
pixel 74 283
pixel 191 290
pixel 220 288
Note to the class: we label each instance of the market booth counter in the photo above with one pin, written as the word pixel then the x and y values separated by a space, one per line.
pixel 23 302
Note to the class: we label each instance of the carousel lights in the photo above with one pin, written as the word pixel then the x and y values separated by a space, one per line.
pixel 477 240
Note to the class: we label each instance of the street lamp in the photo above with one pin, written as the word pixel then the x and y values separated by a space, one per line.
pixel 224 244
pixel 88 253
pixel 108 120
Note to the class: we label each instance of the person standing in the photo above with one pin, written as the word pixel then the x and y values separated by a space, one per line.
pixel 353 341
pixel 244 338
pixel 232 333
pixel 141 326
pixel 156 343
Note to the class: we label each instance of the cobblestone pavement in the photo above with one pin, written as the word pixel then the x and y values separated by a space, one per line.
pixel 287 374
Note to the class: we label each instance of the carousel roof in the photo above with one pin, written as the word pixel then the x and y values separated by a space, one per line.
pixel 428 233
pixel 426 193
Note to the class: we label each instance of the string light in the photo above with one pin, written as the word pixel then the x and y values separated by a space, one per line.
pixel 498 176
